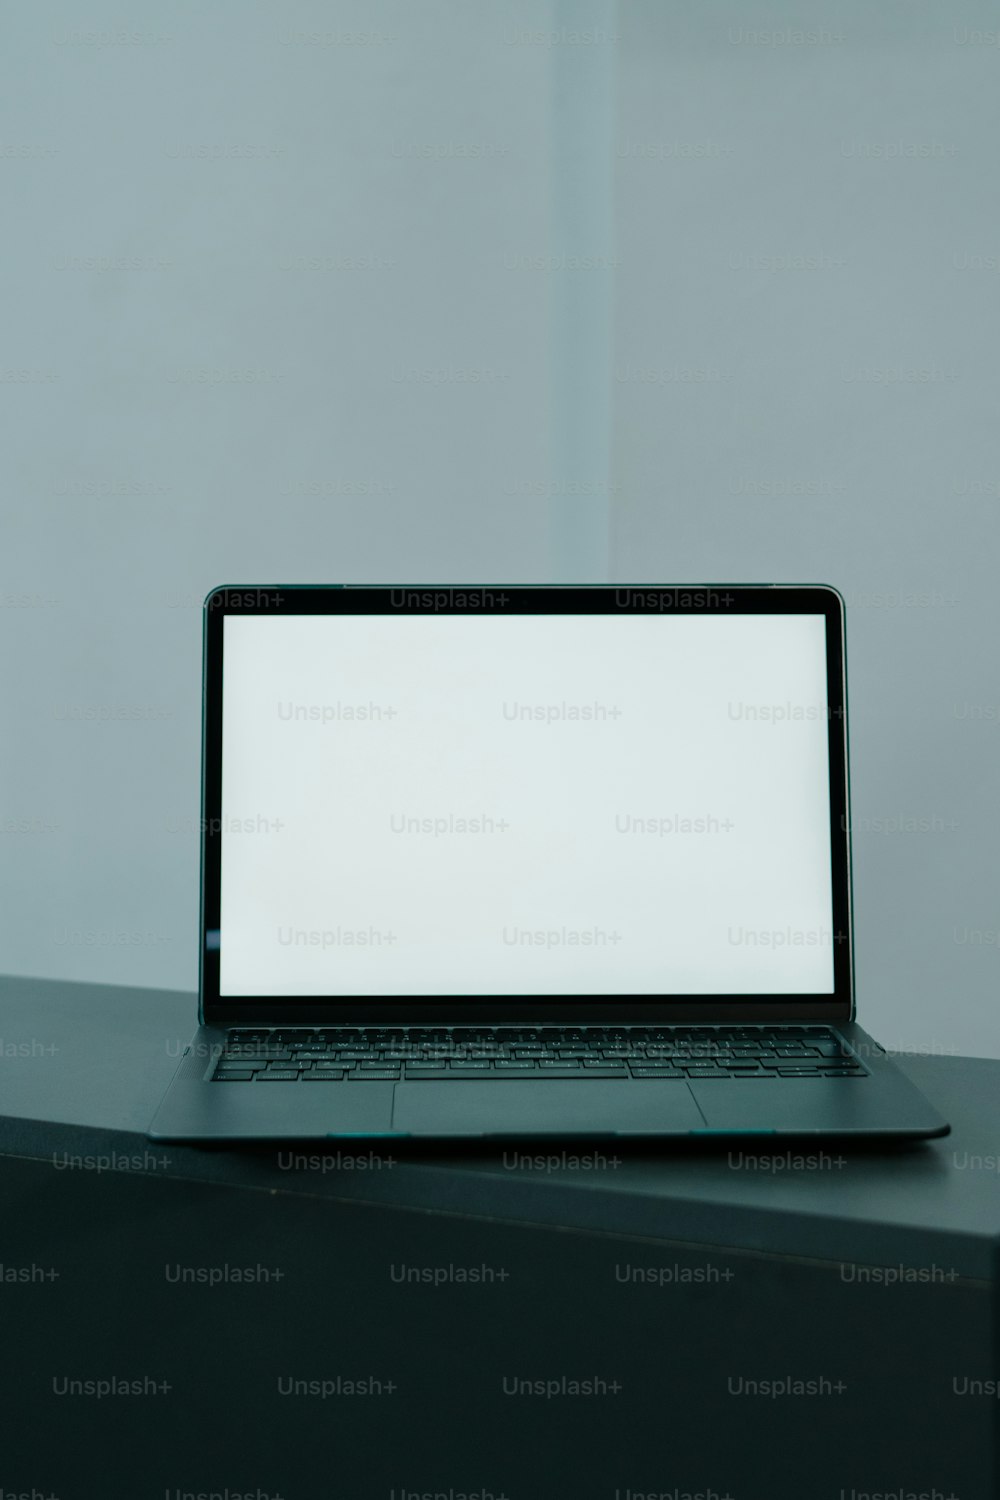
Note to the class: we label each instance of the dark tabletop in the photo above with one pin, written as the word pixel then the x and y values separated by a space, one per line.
pixel 83 1068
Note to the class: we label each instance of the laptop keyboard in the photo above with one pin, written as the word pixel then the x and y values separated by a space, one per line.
pixel 381 1054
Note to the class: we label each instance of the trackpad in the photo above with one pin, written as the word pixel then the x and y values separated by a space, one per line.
pixel 523 1107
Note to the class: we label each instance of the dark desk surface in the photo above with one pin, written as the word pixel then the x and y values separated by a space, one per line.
pixel 83 1067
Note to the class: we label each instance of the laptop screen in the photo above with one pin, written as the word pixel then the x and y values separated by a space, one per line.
pixel 532 805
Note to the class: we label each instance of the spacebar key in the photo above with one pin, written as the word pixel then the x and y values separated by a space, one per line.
pixel 540 1074
pixel 492 1076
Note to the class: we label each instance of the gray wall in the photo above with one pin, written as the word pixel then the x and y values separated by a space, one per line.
pixel 338 340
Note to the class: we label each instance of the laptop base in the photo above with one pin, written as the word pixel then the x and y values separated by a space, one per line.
pixel 879 1102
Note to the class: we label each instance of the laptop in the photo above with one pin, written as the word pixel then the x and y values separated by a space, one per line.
pixel 518 861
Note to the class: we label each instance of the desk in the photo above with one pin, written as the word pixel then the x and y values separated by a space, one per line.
pixel 676 1320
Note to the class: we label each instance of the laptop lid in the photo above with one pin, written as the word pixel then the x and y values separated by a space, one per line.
pixel 604 803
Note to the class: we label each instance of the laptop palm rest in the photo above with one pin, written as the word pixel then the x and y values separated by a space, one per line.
pixel 527 1107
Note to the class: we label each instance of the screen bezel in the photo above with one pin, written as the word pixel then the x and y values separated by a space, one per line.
pixel 215 1009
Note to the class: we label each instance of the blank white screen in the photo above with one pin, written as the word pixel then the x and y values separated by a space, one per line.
pixel 651 792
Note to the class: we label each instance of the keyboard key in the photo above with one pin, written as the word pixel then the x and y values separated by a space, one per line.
pixel 607 1071
pixel 278 1077
pixel 326 1075
pixel 640 1070
pixel 232 1075
pixel 532 1073
pixel 561 1070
